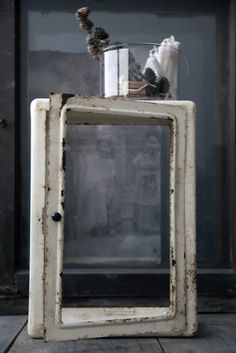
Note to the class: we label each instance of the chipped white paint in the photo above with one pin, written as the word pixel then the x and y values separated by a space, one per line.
pixel 38 111
pixel 72 323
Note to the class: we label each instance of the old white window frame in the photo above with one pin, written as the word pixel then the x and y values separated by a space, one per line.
pixel 72 323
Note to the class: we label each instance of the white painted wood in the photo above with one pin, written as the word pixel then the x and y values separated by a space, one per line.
pixel 38 111
pixel 71 323
pixel 180 317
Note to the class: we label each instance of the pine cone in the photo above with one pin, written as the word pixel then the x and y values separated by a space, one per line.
pixel 152 90
pixel 149 75
pixel 95 46
pixel 104 43
pixel 86 24
pixel 100 33
pixel 95 51
pixel 91 40
pixel 164 85
pixel 82 13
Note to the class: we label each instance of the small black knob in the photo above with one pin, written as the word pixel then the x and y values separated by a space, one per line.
pixel 3 122
pixel 56 216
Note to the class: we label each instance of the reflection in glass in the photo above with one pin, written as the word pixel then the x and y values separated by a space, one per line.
pixel 113 197
pixel 54 59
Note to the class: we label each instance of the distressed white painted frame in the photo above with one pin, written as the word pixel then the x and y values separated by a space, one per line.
pixel 38 111
pixel 71 323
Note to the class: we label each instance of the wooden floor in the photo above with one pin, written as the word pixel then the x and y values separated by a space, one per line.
pixel 217 333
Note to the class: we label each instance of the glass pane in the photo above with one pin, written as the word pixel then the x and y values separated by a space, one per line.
pixel 117 198
pixel 54 58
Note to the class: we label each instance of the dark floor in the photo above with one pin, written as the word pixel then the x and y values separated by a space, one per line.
pixel 217 333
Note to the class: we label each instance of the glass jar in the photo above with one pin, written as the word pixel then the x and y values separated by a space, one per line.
pixel 141 71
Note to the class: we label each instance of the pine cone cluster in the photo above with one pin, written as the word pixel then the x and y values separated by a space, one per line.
pixel 99 33
pixel 164 85
pixel 152 90
pixel 149 75
pixel 97 38
pixel 82 13
pixel 86 25
pixel 154 87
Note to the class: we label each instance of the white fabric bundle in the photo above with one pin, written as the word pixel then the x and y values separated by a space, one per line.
pixel 153 64
pixel 167 54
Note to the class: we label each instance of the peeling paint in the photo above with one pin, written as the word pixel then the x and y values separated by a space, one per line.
pixel 178 319
pixel 64 160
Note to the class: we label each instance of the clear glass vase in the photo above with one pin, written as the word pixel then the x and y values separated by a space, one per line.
pixel 140 71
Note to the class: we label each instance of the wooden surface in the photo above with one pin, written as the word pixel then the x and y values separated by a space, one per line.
pixel 217 333
pixel 10 326
pixel 107 345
